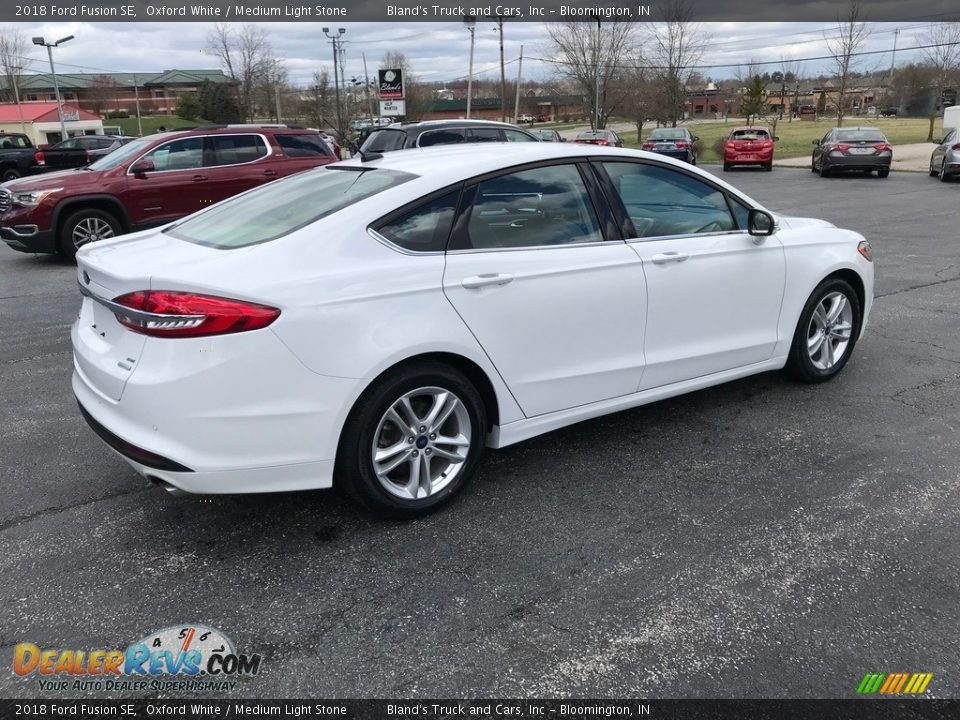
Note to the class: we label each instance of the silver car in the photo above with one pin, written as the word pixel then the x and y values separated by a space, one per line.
pixel 945 160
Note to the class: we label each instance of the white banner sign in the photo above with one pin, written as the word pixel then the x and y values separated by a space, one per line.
pixel 393 108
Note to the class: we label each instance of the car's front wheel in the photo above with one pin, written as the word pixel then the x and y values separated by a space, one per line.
pixel 9 174
pixel 827 331
pixel 86 226
pixel 412 441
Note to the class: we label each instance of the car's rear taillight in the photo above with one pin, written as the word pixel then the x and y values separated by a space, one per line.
pixel 602 142
pixel 840 148
pixel 882 147
pixel 39 157
pixel 648 146
pixel 767 144
pixel 681 145
pixel 955 147
pixel 172 314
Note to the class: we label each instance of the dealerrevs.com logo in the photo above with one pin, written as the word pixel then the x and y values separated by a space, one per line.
pixel 184 657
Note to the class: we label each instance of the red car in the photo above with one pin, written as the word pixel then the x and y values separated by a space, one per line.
pixel 151 181
pixel 749 145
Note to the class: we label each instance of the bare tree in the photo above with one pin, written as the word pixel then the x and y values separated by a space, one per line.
pixel 318 108
pixel 592 60
pixel 943 57
pixel 13 48
pixel 791 77
pixel 640 95
pixel 246 56
pixel 101 90
pixel 852 33
pixel 676 45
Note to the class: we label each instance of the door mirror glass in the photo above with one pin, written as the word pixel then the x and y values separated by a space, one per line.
pixel 760 222
pixel 814 142
pixel 938 141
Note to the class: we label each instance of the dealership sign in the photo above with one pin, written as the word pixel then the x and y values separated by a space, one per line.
pixel 390 84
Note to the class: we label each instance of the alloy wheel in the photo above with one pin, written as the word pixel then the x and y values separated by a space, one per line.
pixel 829 332
pixel 90 229
pixel 421 443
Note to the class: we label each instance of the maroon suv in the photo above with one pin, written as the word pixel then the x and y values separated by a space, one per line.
pixel 150 182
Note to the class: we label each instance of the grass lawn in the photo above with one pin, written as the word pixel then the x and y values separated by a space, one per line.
pixel 795 137
pixel 152 124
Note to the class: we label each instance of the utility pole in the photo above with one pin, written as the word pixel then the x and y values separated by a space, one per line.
pixel 136 98
pixel 503 75
pixel 893 58
pixel 366 89
pixel 596 100
pixel 16 95
pixel 470 22
pixel 335 41
pixel 516 103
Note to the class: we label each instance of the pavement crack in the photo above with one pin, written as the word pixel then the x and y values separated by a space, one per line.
pixel 916 287
pixel 17 521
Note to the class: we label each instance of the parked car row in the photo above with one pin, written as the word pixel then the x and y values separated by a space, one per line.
pixel 852 149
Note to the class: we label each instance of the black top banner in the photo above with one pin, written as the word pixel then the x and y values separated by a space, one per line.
pixel 539 11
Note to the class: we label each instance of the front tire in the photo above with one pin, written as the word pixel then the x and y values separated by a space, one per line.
pixel 10 174
pixel 826 333
pixel 86 226
pixel 413 441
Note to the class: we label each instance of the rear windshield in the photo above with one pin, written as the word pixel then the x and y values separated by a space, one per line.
pixel 385 140
pixel 306 145
pixel 667 135
pixel 751 135
pixel 279 208
pixel 591 135
pixel 861 135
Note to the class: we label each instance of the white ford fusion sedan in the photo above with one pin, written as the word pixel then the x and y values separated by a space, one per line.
pixel 376 323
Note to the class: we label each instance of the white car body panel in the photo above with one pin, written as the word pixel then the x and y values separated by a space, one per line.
pixel 580 331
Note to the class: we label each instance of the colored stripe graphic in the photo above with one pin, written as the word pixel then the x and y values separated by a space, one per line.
pixel 894 683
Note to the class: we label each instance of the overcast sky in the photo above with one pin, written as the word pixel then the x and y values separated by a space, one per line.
pixel 437 51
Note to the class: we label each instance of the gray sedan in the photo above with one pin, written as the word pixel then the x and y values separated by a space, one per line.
pixel 945 160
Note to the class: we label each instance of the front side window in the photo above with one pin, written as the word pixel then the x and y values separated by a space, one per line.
pixel 425 228
pixel 183 154
pixel 234 149
pixel 279 208
pixel 131 150
pixel 661 201
pixel 531 208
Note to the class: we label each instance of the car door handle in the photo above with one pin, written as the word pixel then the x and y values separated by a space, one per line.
pixel 270 173
pixel 669 257
pixel 479 281
pixel 199 178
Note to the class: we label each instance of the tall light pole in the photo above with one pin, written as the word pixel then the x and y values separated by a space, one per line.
pixel 16 95
pixel 53 72
pixel 503 75
pixel 470 23
pixel 335 40
pixel 596 89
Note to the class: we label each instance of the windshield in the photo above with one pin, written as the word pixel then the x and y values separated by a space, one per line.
pixel 121 155
pixel 281 207
pixel 385 140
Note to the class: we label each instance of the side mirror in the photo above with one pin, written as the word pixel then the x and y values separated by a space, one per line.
pixel 694 138
pixel 938 142
pixel 143 167
pixel 814 142
pixel 776 138
pixel 760 223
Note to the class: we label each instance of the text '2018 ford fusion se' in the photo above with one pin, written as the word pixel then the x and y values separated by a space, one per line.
pixel 376 323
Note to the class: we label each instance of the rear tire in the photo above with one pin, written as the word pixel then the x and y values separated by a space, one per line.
pixel 85 226
pixel 768 167
pixel 726 167
pixel 943 171
pixel 810 359
pixel 883 172
pixel 824 170
pixel 416 473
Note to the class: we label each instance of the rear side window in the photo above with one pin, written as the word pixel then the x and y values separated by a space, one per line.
pixel 425 228
pixel 234 149
pixel 485 135
pixel 306 145
pixel 441 137
pixel 516 136
pixel 281 207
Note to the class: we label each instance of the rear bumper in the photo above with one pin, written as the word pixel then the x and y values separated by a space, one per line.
pixel 209 419
pixel 748 160
pixel 854 162
pixel 676 154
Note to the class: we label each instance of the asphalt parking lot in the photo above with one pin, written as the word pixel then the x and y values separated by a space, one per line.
pixel 759 539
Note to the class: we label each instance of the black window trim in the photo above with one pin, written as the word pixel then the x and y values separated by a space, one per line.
pixel 373 229
pixel 457 242
pixel 623 218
